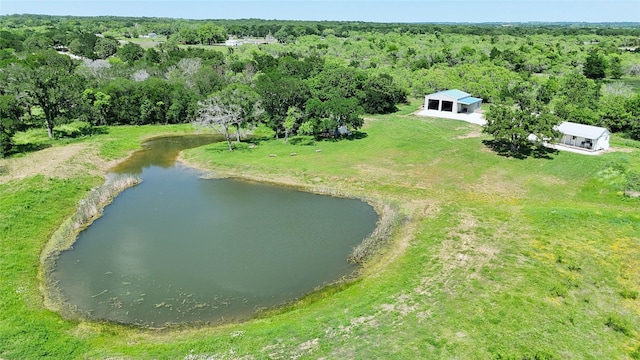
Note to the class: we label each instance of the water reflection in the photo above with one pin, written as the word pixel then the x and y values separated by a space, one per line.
pixel 162 152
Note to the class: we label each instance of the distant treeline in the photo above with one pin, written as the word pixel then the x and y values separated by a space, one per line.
pixel 288 29
pixel 319 77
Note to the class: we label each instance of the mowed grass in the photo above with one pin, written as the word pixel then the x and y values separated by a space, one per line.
pixel 498 258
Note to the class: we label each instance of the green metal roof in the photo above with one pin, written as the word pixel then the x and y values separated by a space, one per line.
pixel 469 100
pixel 454 93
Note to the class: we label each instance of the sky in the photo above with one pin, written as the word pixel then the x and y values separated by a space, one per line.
pixel 474 11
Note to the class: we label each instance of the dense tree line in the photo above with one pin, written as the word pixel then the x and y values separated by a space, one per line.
pixel 318 81
pixel 170 84
pixel 260 27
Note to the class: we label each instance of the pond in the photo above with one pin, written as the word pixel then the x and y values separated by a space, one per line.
pixel 178 248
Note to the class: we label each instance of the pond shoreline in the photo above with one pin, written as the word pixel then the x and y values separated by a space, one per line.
pixel 89 209
pixel 66 235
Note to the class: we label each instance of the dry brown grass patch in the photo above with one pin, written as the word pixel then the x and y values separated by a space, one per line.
pixel 496 184
pixel 55 162
pixel 473 134
pixel 461 257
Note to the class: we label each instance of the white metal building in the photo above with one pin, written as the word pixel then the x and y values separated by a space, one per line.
pixel 587 137
pixel 454 101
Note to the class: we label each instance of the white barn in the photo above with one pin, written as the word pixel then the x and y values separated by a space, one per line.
pixel 454 101
pixel 587 137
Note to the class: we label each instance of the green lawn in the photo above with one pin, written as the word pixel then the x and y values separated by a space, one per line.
pixel 498 258
pixel 147 42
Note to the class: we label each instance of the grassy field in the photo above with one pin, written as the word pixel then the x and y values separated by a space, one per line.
pixel 498 258
pixel 147 42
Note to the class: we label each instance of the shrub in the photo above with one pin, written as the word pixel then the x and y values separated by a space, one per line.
pixel 619 324
pixel 633 181
pixel 629 294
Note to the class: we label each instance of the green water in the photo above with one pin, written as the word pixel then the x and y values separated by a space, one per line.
pixel 178 248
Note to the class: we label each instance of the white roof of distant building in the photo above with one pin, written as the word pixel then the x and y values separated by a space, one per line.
pixel 585 131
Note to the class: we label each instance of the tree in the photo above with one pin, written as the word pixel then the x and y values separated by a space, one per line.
pixel 279 93
pixel 613 112
pixel 494 54
pixel 10 113
pixel 130 52
pixel 517 126
pixel 547 90
pixel 99 104
pixel 213 113
pixel 53 86
pixel 152 56
pixel 83 45
pixel 126 99
pixel 208 34
pixel 293 116
pixel 578 99
pixel 332 117
pixel 615 67
pixel 38 42
pixel 13 79
pixel 264 61
pixel 105 47
pixel 207 81
pixel 595 66
pixel 188 35
pixel 249 103
pixel 380 95
pixel 338 82
pixel 633 107
pixel 10 40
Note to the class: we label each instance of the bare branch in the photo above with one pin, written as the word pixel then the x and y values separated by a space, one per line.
pixel 214 114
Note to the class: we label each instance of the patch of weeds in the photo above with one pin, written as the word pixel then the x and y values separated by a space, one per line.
pixel 635 354
pixel 618 323
pixel 559 291
pixel 4 169
pixel 631 143
pixel 633 183
pixel 574 267
pixel 612 176
pixel 629 294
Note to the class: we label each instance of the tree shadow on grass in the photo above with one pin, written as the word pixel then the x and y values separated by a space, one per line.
pixel 99 130
pixel 354 135
pixel 28 147
pixel 38 145
pixel 357 135
pixel 537 151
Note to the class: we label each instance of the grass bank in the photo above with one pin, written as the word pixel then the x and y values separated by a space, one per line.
pixel 499 258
